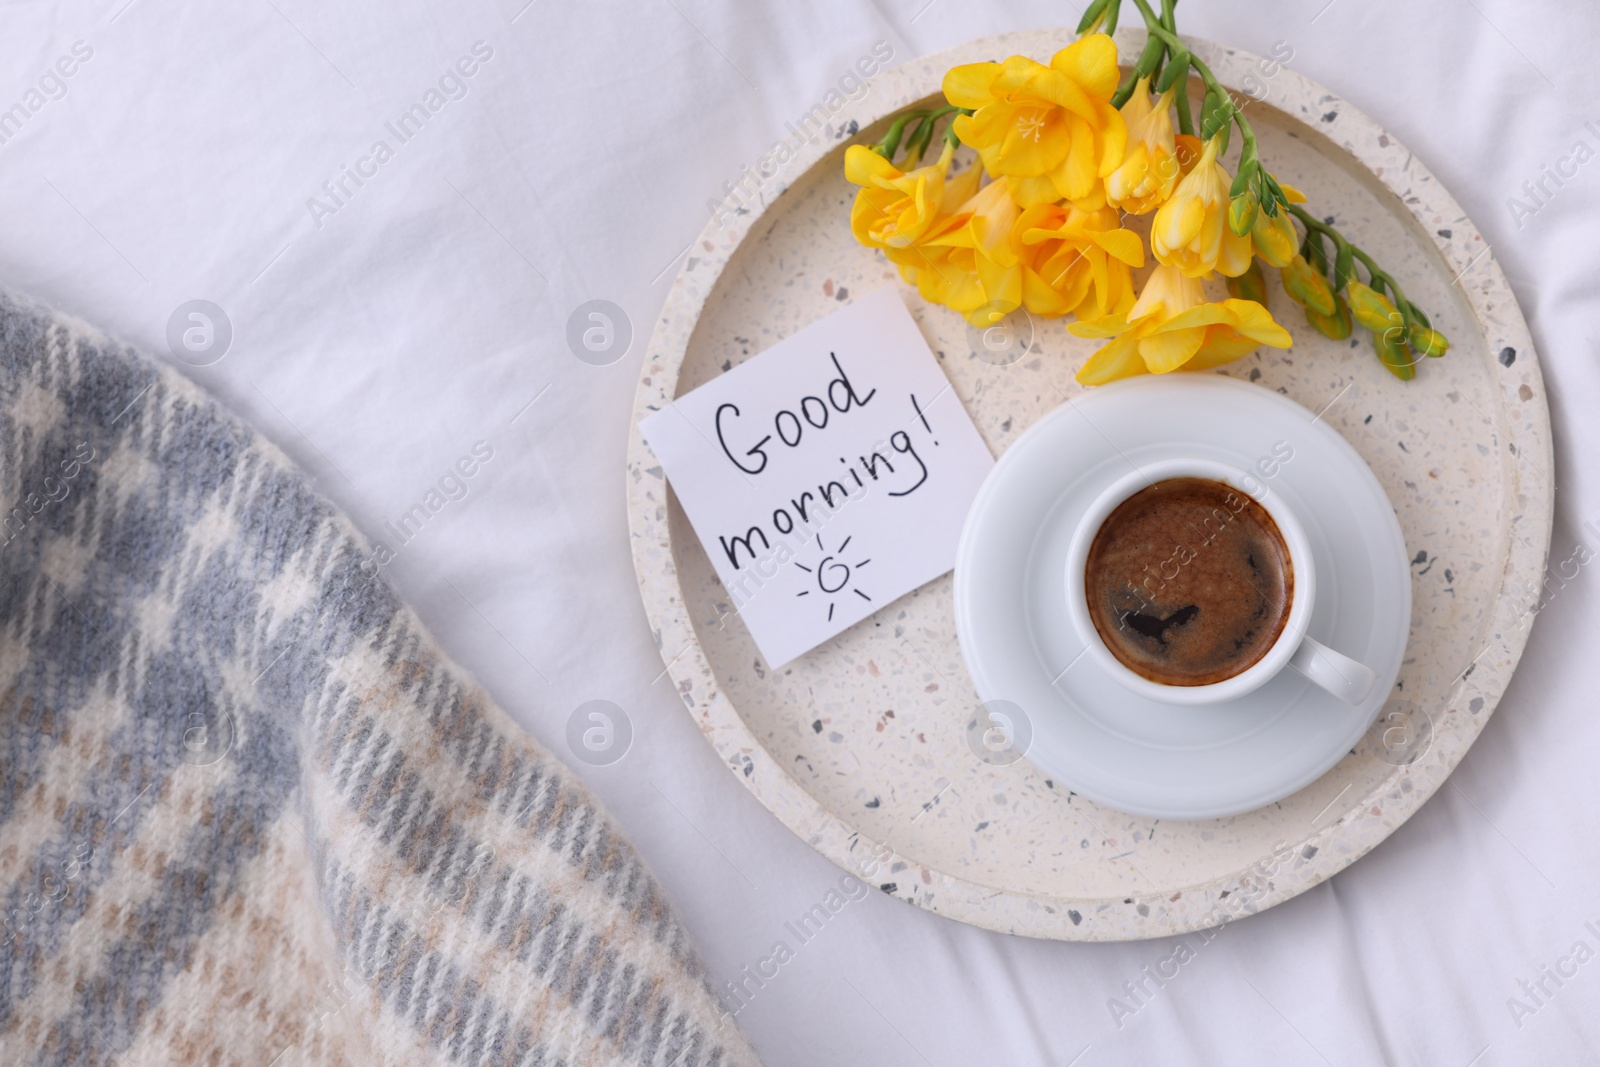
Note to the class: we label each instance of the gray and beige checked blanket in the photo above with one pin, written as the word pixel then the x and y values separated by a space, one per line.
pixel 249 812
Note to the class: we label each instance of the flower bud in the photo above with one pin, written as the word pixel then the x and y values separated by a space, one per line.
pixel 1242 211
pixel 1337 325
pixel 1306 285
pixel 1394 353
pixel 1094 16
pixel 1371 308
pixel 1251 285
pixel 1427 342
pixel 1273 237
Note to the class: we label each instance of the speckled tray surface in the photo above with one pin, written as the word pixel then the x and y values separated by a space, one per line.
pixel 860 746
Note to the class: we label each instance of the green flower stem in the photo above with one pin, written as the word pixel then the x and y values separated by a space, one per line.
pixel 917 143
pixel 950 131
pixel 1220 114
pixel 1144 67
pixel 890 144
pixel 924 134
pixel 1169 18
pixel 1185 123
pixel 1159 48
pixel 1380 277
pixel 1113 9
pixel 921 133
pixel 1168 37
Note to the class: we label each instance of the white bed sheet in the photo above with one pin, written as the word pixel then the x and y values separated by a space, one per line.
pixel 380 336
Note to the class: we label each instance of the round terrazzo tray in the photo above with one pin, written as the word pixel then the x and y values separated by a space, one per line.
pixel 861 746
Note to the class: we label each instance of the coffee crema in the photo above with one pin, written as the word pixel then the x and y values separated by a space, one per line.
pixel 1189 582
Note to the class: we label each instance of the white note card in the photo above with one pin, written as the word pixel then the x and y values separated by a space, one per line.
pixel 827 476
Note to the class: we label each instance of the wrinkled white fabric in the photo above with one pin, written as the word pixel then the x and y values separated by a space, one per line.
pixel 379 337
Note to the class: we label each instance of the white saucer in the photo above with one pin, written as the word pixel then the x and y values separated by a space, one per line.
pixel 1095 737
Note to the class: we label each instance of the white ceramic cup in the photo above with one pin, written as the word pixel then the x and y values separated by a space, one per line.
pixel 1340 675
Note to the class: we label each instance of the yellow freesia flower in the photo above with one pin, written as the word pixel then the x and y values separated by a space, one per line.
pixel 900 212
pixel 942 275
pixel 972 263
pixel 896 209
pixel 1077 262
pixel 1171 326
pixel 1190 231
pixel 1052 130
pixel 1149 168
pixel 1189 149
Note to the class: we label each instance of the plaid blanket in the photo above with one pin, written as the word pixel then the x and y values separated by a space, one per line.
pixel 249 813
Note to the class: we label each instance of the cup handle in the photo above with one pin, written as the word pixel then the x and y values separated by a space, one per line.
pixel 1340 675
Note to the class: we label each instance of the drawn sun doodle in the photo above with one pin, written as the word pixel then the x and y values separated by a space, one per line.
pixel 833 575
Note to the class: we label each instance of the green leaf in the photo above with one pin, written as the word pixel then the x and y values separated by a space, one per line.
pixel 917 143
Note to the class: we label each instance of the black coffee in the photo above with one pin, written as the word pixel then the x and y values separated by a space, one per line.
pixel 1189 582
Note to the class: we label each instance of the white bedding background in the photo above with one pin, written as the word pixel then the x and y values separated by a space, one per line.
pixel 380 337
